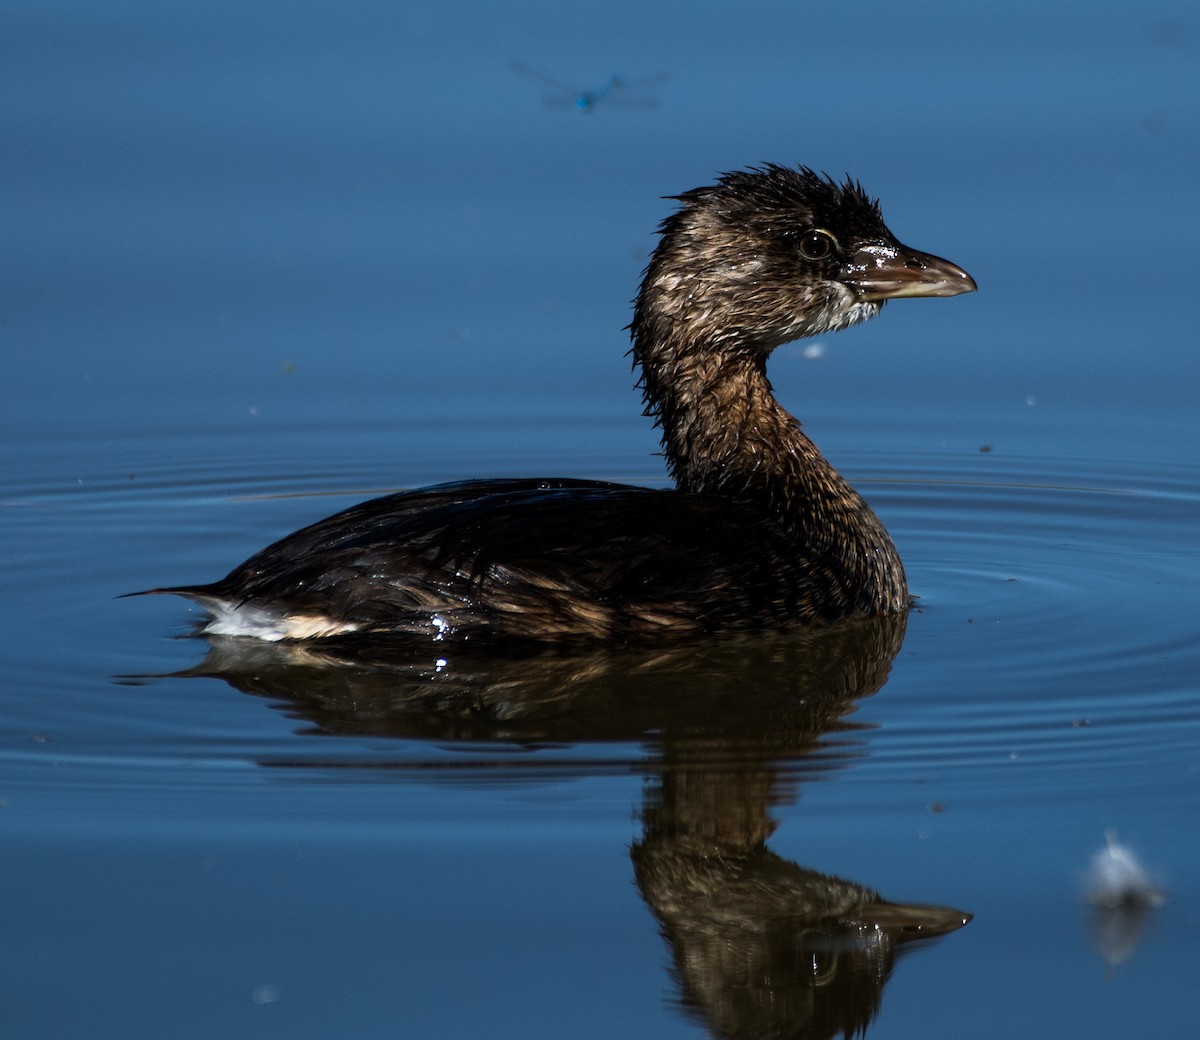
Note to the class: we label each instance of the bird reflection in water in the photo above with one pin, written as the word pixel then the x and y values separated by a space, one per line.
pixel 615 92
pixel 726 730
pixel 763 946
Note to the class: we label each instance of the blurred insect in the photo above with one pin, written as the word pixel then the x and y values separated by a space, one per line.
pixel 615 92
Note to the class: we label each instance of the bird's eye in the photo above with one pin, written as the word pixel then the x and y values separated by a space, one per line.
pixel 817 245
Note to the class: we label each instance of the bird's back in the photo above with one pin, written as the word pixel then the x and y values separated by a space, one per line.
pixel 531 559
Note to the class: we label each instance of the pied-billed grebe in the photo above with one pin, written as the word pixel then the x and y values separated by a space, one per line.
pixel 760 530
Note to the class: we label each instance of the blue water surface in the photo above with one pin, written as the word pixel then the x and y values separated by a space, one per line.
pixel 261 260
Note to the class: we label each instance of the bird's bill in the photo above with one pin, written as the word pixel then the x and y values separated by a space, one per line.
pixel 891 271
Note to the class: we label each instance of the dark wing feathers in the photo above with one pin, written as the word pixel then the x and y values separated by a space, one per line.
pixel 511 556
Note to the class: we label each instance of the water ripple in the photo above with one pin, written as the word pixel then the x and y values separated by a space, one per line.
pixel 1054 637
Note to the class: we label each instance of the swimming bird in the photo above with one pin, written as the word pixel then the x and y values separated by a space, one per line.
pixel 759 531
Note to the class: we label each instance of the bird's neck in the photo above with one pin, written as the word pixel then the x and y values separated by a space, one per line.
pixel 724 433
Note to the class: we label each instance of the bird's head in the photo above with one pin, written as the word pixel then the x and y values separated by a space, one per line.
pixel 769 255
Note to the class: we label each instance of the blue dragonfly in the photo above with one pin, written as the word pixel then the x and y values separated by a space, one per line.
pixel 615 92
